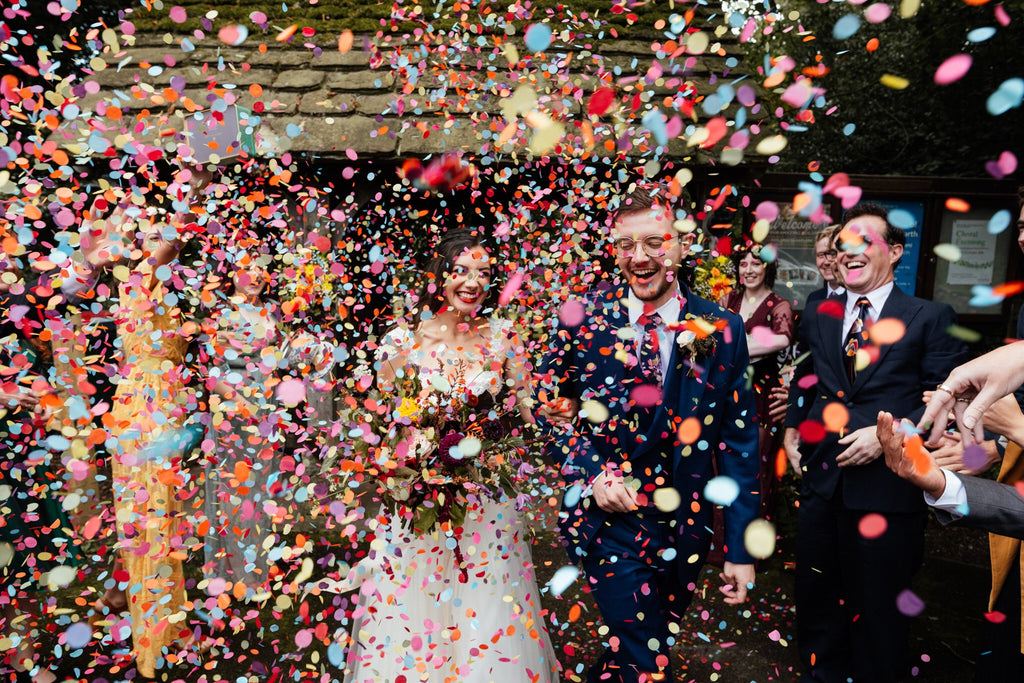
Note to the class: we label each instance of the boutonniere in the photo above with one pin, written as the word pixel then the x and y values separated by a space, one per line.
pixel 696 337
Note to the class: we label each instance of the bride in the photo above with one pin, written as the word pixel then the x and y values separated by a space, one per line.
pixel 422 614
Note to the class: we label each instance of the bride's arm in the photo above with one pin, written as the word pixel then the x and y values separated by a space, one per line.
pixel 518 371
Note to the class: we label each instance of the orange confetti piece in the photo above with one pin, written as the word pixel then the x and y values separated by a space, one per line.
pixel 835 416
pixel 887 331
pixel 574 612
pixel 242 471
pixel 345 41
pixel 689 430
pixel 915 451
pixel 287 34
pixel 958 205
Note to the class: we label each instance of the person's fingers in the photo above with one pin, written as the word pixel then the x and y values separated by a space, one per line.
pixel 933 421
pixel 971 417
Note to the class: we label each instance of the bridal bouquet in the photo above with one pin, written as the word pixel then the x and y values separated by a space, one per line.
pixel 713 277
pixel 434 451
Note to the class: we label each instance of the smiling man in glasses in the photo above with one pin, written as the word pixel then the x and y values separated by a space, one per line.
pixel 660 376
pixel 861 528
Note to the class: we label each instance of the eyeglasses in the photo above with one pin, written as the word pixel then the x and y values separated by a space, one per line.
pixel 652 246
pixel 830 254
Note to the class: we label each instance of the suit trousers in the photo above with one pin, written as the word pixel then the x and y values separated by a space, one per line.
pixel 1001 660
pixel 848 623
pixel 638 592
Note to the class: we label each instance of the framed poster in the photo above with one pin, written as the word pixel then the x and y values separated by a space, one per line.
pixel 906 271
pixel 984 258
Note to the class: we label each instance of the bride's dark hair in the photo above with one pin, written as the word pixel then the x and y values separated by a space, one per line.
pixel 439 268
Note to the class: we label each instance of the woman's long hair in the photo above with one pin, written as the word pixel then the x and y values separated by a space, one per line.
pixel 430 296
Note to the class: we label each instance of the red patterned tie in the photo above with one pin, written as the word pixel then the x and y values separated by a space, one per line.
pixel 857 338
pixel 649 355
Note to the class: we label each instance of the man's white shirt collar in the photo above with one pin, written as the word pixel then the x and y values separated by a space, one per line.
pixel 669 311
pixel 877 297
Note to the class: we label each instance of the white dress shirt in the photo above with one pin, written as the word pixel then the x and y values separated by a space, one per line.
pixel 670 311
pixel 877 297
pixel 953 499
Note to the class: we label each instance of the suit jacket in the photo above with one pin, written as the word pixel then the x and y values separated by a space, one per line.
pixel 921 359
pixel 582 364
pixel 991 505
pixel 815 296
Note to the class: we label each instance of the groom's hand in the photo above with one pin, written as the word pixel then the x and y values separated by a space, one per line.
pixel 736 580
pixel 560 410
pixel 612 494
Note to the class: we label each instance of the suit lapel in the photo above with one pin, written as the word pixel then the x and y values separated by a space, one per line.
pixel 830 328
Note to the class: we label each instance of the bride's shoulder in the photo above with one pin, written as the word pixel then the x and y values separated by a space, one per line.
pixel 398 340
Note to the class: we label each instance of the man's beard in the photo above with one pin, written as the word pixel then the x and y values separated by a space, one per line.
pixel 654 294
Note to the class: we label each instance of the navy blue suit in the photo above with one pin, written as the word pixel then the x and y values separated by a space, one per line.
pixel 643 442
pixel 847 584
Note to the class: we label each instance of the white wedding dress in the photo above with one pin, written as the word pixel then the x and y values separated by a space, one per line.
pixel 416 621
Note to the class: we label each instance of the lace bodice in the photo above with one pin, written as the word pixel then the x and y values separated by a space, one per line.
pixel 399 346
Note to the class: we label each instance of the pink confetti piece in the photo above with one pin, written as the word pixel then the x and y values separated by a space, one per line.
pixel 953 69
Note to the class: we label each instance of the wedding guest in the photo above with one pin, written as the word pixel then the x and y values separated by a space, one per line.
pixel 242 336
pixel 35 535
pixel 149 402
pixel 848 623
pixel 768 322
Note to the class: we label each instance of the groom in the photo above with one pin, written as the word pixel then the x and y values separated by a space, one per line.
pixel 665 406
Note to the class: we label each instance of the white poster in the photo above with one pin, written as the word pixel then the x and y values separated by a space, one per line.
pixel 977 254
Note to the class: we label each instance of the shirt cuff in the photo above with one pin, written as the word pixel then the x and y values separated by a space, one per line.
pixel 954 499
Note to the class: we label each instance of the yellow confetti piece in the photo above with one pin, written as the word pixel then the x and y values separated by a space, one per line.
pixel 772 145
pixel 759 538
pixel 760 230
pixel 698 43
pixel 963 333
pixel 667 499
pixel 596 411
pixel 894 82
pixel 908 8
pixel 948 252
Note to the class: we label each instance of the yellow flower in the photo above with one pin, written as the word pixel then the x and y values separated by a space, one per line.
pixel 408 408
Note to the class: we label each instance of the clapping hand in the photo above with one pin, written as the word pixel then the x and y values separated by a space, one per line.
pixel 863 447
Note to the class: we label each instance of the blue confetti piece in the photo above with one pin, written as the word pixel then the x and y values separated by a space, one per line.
pixel 849 128
pixel 655 122
pixel 335 655
pixel 562 579
pixel 846 27
pixel 572 496
pixel 902 218
pixel 983 296
pixel 1007 96
pixel 980 35
pixel 538 37
pixel 1000 221
pixel 722 490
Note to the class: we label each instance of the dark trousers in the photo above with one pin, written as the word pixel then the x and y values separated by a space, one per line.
pixel 848 623
pixel 638 592
pixel 1001 660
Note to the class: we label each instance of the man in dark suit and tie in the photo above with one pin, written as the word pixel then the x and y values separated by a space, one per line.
pixel 825 260
pixel 659 375
pixel 860 529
